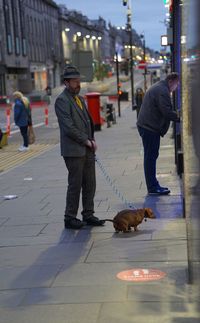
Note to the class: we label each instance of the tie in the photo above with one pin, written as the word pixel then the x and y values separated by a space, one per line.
pixel 78 101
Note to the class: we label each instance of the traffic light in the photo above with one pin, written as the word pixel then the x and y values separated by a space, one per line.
pixel 119 89
pixel 124 2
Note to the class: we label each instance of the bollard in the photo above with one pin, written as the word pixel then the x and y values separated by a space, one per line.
pixel 93 102
pixel 8 121
pixel 46 113
pixel 109 114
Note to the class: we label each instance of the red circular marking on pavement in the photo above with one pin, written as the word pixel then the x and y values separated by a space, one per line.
pixel 141 275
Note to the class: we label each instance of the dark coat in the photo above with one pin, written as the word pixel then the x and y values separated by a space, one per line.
pixel 156 111
pixel 20 114
pixel 76 126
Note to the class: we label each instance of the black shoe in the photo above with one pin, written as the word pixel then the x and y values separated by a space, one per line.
pixel 159 191
pixel 163 188
pixel 94 221
pixel 73 223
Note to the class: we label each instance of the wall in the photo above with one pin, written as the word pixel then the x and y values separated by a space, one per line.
pixel 191 132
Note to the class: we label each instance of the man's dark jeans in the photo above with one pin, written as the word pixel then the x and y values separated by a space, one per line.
pixel 151 144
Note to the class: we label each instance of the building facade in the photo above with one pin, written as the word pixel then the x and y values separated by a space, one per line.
pixel 43 43
pixel 30 51
pixel 78 33
pixel 38 38
pixel 185 49
pixel 14 56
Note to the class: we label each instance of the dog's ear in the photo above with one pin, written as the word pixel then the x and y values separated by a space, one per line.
pixel 148 213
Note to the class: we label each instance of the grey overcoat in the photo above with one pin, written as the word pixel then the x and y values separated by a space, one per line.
pixel 76 125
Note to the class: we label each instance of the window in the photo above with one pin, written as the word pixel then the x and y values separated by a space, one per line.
pixel 9 44
pixel 17 46
pixel 15 15
pixel 24 47
pixel 8 26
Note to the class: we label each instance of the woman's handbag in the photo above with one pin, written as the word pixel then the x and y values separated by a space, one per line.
pixel 31 135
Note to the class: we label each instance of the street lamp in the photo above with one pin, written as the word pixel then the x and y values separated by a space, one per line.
pixel 129 29
pixel 144 59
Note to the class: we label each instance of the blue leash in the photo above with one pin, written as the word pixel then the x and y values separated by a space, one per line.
pixel 108 179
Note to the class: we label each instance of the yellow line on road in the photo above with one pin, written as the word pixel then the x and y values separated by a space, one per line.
pixel 10 156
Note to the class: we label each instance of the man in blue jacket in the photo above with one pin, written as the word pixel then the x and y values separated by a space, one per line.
pixel 153 122
pixel 78 148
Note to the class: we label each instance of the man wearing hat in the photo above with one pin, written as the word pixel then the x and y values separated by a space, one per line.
pixel 78 148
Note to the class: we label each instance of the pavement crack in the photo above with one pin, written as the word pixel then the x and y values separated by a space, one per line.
pixel 87 255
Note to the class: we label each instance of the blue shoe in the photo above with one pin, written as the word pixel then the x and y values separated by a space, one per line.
pixel 159 191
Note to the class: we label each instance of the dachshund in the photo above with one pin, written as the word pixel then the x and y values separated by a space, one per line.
pixel 128 218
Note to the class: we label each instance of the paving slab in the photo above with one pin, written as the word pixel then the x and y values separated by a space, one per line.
pixel 13 278
pixel 62 313
pixel 44 254
pixel 124 249
pixel 151 312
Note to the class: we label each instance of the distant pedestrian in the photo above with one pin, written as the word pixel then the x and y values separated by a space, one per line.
pixel 21 118
pixel 139 95
pixel 154 77
pixel 153 122
pixel 78 148
pixel 48 90
pixel 48 94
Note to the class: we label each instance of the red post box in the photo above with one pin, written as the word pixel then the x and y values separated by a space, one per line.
pixel 93 102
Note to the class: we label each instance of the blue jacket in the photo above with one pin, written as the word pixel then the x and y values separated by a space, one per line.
pixel 20 114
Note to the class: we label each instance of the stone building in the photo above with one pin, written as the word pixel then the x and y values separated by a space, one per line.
pixel 29 51
pixel 78 33
pixel 14 57
pixel 38 37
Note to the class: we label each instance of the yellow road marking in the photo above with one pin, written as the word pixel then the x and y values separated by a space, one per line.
pixel 10 156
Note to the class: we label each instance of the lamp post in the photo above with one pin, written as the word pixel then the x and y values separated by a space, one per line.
pixel 129 29
pixel 144 59
pixel 118 84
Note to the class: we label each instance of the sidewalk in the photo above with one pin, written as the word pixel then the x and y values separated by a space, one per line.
pixel 52 275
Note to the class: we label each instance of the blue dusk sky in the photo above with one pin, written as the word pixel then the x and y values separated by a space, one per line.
pixel 147 15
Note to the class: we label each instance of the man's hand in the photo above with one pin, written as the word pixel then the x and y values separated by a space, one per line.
pixel 88 143
pixel 91 144
pixel 94 145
